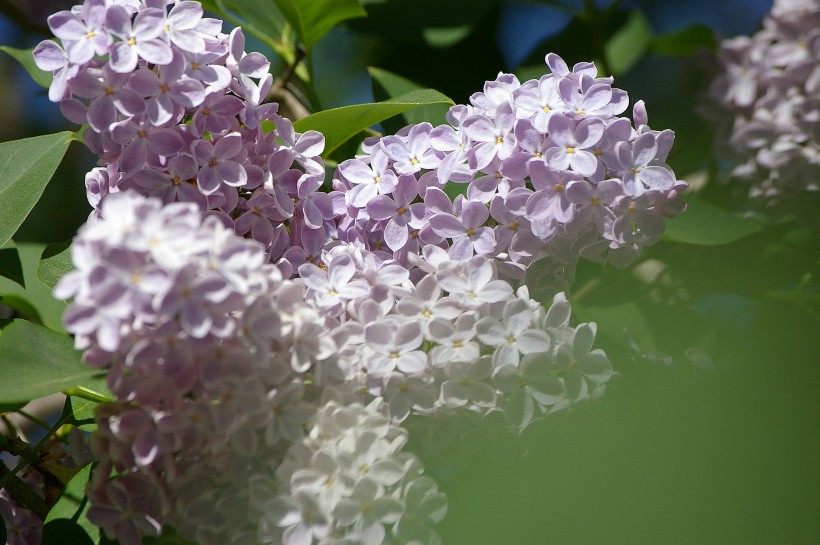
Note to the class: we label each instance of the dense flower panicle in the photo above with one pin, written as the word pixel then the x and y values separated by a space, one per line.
pixel 562 175
pixel 174 109
pixel 766 101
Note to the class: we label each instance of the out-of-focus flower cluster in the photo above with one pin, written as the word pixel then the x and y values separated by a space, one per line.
pixel 60 458
pixel 548 169
pixel 766 98
pixel 23 527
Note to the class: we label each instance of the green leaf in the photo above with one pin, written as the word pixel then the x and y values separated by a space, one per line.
pixel 35 302
pixel 706 224
pixel 54 263
pixel 628 44
pixel 26 166
pixel 392 85
pixel 443 37
pixel 66 521
pixel 340 124
pixel 21 306
pixel 26 58
pixel 10 266
pixel 262 16
pixel 36 361
pixel 685 43
pixel 85 397
pixel 312 19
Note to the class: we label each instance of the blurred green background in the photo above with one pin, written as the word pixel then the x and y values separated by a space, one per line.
pixel 711 433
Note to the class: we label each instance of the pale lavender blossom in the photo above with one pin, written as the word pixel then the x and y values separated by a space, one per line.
pixel 413 153
pixel 166 94
pixel 641 170
pixel 217 163
pixel 50 57
pixel 84 34
pixel 574 141
pixel 138 39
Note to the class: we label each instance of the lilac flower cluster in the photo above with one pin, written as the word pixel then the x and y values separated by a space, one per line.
pixel 174 109
pixel 202 341
pixel 265 341
pixel 766 99
pixel 551 172
pixel 230 378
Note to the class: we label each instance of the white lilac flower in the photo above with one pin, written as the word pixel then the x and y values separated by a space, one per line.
pixel 336 287
pixel 475 284
pixel 466 384
pixel 395 347
pixel 513 335
pixel 582 364
pixel 528 388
